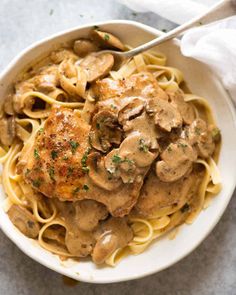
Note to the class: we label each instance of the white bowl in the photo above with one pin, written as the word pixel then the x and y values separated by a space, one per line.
pixel 163 253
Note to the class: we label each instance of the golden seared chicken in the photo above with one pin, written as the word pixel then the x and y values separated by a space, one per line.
pixel 61 164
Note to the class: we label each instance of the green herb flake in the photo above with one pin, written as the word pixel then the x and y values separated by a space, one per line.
pixel 36 183
pixel 169 149
pixel 96 27
pixel 85 169
pixel 70 171
pixel 65 158
pixel 85 187
pixel 74 145
pixel 85 157
pixel 27 172
pixel 75 191
pixel 215 133
pixel 127 160
pixel 142 146
pixel 164 30
pixel 116 159
pixel 98 126
pixel 106 37
pixel 41 130
pixel 197 130
pixel 182 145
pixel 54 154
pixel 51 173
pixel 134 13
pixel 113 106
pixel 36 154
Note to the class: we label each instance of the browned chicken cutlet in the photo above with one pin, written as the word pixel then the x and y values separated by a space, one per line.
pixel 56 165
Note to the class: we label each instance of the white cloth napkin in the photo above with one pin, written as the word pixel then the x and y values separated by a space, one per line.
pixel 213 44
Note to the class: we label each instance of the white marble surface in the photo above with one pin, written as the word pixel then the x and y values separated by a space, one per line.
pixel 210 269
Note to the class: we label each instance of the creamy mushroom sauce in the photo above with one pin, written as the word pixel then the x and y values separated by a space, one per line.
pixel 96 151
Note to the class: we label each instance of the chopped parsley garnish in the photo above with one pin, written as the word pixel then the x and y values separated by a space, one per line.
pixel 106 37
pixel 98 126
pixel 65 158
pixel 142 146
pixel 85 157
pixel 183 145
pixel 36 183
pixel 113 106
pixel 197 130
pixel 54 154
pixel 169 149
pixel 27 172
pixel 51 173
pixel 70 171
pixel 36 154
pixel 134 13
pixel 41 130
pixel 85 187
pixel 76 190
pixel 85 169
pixel 96 27
pixel 74 145
pixel 116 159
pixel 164 30
pixel 126 160
pixel 215 133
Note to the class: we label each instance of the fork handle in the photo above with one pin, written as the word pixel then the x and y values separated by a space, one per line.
pixel 220 10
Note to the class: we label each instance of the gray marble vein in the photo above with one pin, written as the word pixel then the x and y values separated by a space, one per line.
pixel 209 270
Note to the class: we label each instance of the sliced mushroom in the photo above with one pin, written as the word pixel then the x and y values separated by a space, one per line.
pixel 122 167
pixel 62 54
pixel 99 174
pixel 165 115
pixel 82 47
pixel 24 221
pixel 79 243
pixel 131 110
pixel 145 125
pixel 200 136
pixel 107 40
pixel 7 130
pixel 136 148
pixel 88 213
pixel 115 233
pixel 104 247
pixel 47 80
pixel 186 110
pixel 157 195
pixel 20 89
pixel 8 105
pixel 168 173
pixel 97 65
pixel 176 161
pixel 105 131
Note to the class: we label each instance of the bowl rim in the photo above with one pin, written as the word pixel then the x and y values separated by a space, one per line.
pixel 20 243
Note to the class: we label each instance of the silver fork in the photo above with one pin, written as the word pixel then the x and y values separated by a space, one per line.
pixel 220 10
